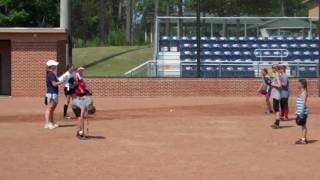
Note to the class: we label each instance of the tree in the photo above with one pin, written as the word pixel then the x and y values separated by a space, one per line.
pixel 102 23
pixel 180 14
pixel 168 12
pixel 128 21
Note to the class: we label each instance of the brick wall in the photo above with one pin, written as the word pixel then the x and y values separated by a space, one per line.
pixel 151 87
pixel 28 66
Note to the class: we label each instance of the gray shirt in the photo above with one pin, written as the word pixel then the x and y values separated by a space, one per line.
pixel 275 92
pixel 284 91
pixel 82 102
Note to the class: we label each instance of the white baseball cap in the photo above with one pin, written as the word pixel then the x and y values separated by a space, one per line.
pixel 52 62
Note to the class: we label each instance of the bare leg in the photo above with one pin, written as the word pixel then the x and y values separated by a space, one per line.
pixel 53 107
pixel 268 104
pixel 304 131
pixel 48 113
pixel 81 121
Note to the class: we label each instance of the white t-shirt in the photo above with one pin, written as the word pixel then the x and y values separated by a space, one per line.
pixel 66 77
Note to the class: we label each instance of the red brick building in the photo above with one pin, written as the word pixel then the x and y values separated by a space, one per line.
pixel 23 54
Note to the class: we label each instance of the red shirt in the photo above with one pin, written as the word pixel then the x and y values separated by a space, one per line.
pixel 80 88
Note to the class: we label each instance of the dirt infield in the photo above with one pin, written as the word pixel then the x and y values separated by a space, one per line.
pixel 169 138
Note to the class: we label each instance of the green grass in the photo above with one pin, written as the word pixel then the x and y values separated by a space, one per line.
pixel 83 56
pixel 114 66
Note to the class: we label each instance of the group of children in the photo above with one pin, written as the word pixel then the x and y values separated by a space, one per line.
pixel 277 88
pixel 74 89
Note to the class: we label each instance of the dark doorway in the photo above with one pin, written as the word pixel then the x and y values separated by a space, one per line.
pixel 5 67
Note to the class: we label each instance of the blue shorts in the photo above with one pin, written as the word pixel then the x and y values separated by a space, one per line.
pixel 52 98
pixel 301 120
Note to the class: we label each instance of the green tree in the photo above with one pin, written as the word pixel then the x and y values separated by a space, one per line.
pixel 11 13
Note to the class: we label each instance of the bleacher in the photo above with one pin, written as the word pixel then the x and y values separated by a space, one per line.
pixel 238 57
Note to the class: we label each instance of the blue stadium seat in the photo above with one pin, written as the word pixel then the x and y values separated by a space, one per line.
pixel 242 49
pixel 189 71
pixel 210 71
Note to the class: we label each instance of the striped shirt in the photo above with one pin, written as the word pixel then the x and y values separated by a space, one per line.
pixel 299 106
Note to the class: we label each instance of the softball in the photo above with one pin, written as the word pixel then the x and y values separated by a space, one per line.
pixel 171 110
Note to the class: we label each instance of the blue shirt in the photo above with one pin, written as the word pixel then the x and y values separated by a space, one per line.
pixel 50 88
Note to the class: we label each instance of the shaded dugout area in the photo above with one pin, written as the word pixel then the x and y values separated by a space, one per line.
pixel 5 67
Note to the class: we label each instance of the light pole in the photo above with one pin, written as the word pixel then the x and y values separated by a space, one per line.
pixel 65 13
pixel 198 40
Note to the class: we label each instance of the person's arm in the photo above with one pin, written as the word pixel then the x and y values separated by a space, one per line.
pixel 304 97
pixel 54 81
pixel 284 83
pixel 260 87
pixel 278 84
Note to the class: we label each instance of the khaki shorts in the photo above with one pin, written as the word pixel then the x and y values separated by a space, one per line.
pixel 52 98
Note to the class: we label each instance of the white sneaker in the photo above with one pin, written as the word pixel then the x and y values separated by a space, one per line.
pixel 46 125
pixel 51 126
pixel 55 125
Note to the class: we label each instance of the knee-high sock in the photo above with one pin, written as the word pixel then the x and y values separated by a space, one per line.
pixel 286 113
pixel 65 110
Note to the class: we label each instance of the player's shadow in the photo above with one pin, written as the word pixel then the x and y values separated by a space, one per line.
pixel 95 137
pixel 285 127
pixel 67 125
pixel 290 119
pixel 312 141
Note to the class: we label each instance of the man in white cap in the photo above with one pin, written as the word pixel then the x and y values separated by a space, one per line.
pixel 52 94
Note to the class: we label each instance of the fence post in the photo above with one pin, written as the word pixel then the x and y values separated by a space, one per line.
pixel 298 70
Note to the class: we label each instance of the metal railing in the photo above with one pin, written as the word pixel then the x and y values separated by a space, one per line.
pixel 147 69
pixel 294 69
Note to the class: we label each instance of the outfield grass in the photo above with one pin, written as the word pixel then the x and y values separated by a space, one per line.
pixel 129 58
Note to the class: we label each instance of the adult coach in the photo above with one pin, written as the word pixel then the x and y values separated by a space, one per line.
pixel 52 94
pixel 69 80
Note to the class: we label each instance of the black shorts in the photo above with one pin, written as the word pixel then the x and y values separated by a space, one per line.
pixel 77 111
pixel 68 93
pixel 276 105
pixel 301 120
pixel 284 103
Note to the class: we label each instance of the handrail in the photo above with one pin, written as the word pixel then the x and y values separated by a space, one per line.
pixel 139 67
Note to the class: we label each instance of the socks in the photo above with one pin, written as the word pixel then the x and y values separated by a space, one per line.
pixel 65 110
pixel 286 113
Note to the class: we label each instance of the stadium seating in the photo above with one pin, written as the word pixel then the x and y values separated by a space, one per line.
pixel 242 49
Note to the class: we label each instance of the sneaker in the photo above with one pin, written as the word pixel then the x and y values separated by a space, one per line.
pixel 81 136
pixel 50 126
pixel 46 125
pixel 268 112
pixel 55 125
pixel 275 126
pixel 67 117
pixel 301 141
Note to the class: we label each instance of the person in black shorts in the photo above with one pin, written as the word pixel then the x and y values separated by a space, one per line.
pixel 80 106
pixel 69 81
pixel 275 95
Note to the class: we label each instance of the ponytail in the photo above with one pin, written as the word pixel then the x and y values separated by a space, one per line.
pixel 304 83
